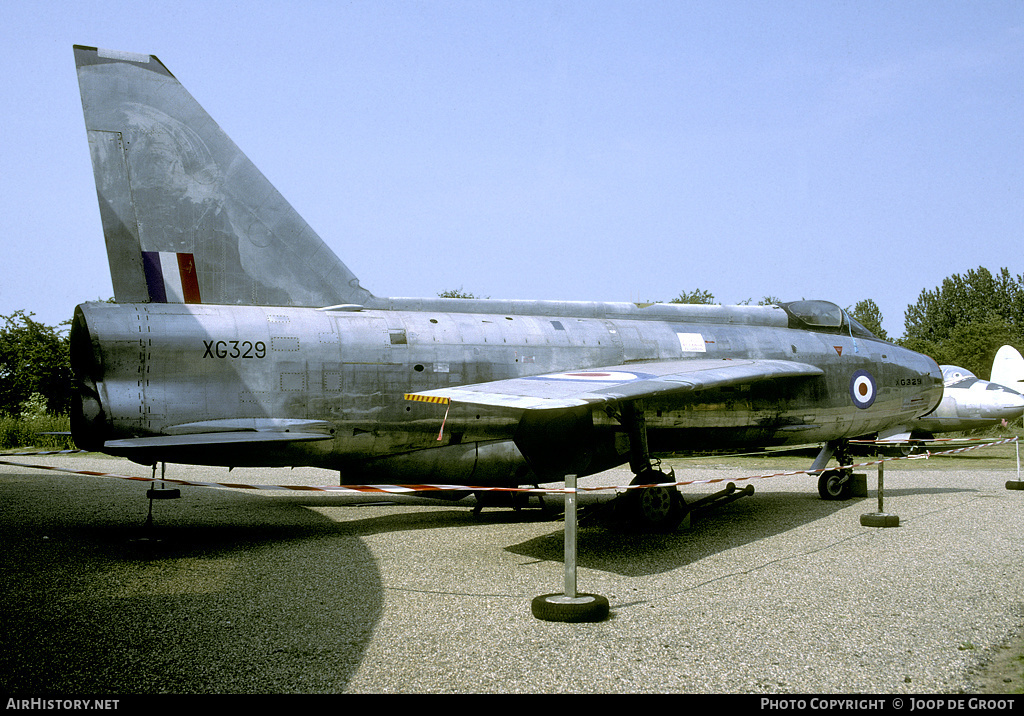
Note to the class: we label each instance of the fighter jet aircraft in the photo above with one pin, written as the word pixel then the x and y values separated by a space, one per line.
pixel 238 338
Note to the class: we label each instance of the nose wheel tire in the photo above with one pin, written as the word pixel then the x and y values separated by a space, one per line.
pixel 835 485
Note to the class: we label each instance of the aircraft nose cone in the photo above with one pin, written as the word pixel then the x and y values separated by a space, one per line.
pixel 1006 404
pixel 1013 401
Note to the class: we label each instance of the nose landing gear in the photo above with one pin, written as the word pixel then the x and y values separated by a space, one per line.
pixel 835 484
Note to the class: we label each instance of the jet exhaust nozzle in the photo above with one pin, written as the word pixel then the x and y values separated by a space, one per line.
pixel 88 418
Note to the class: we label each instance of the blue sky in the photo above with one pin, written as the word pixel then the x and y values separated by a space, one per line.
pixel 564 150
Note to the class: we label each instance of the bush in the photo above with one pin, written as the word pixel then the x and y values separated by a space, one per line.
pixel 35 428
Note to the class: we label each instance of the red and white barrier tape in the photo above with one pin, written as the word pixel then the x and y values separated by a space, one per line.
pixel 415 488
pixel 918 441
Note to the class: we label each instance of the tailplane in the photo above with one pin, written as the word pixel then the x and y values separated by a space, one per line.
pixel 1008 368
pixel 186 216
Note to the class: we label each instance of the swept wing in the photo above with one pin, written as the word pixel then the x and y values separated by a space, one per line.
pixel 620 382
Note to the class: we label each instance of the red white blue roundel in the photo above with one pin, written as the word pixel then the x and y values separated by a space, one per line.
pixel 863 389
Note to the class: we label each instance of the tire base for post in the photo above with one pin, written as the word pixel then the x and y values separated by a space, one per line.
pixel 879 519
pixel 559 608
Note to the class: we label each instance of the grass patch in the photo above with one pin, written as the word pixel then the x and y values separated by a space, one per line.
pixel 35 431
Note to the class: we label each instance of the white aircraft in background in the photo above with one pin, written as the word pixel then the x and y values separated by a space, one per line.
pixel 968 402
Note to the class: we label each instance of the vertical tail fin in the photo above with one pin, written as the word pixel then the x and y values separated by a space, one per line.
pixel 186 216
pixel 1008 368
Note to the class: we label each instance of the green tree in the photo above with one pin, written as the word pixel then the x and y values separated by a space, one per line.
pixel 973 345
pixel 977 296
pixel 970 345
pixel 457 293
pixel 33 359
pixel 965 320
pixel 695 296
pixel 870 316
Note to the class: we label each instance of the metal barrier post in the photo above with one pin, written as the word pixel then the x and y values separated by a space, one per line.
pixel 570 606
pixel 1017 484
pixel 570 536
pixel 881 489
pixel 880 518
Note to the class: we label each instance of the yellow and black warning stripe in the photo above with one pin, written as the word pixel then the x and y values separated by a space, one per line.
pixel 427 398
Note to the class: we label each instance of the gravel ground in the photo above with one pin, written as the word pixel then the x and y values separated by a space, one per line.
pixel 236 591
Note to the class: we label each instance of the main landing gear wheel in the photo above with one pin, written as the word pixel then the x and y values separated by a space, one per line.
pixel 561 608
pixel 658 508
pixel 835 485
pixel 658 505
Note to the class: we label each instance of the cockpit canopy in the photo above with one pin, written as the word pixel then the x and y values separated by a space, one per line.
pixel 953 373
pixel 824 317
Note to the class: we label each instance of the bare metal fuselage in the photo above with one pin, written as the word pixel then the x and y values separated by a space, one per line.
pixel 152 370
pixel 195 364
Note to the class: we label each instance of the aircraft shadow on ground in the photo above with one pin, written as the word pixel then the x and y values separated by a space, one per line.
pixel 605 541
pixel 630 552
pixel 224 594
pixel 232 592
